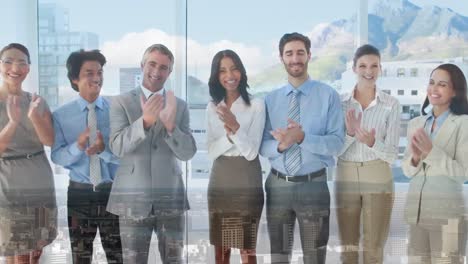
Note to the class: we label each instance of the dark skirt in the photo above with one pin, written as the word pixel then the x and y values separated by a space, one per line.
pixel 235 202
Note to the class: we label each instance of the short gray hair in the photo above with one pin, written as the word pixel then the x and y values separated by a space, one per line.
pixel 160 48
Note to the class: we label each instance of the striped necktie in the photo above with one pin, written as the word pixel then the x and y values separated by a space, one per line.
pixel 94 161
pixel 293 158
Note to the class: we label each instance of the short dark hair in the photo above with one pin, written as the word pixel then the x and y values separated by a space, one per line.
pixel 19 47
pixel 365 49
pixel 217 91
pixel 459 103
pixel 160 48
pixel 77 59
pixel 288 37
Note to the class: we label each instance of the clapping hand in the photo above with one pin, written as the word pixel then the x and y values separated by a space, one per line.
pixel 421 143
pixel 151 108
pixel 33 113
pixel 366 137
pixel 98 145
pixel 13 108
pixel 352 123
pixel 227 117
pixel 168 114
pixel 288 136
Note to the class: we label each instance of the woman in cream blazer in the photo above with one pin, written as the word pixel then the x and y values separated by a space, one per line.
pixel 436 161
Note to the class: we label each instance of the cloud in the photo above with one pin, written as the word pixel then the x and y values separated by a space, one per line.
pixel 127 52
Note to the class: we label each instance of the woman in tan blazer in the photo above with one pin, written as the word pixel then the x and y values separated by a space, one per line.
pixel 436 160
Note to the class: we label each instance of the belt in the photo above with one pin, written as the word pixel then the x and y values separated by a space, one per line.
pixel 25 156
pixel 299 178
pixel 89 186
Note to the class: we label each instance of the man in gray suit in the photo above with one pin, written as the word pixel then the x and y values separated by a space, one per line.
pixel 150 132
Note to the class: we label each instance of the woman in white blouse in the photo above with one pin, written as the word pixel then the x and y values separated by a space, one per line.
pixel 235 124
pixel 436 161
pixel 364 181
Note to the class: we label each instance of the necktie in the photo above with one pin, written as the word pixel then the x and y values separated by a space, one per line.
pixel 293 154
pixel 94 163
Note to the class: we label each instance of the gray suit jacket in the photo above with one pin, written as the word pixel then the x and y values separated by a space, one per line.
pixel 149 176
pixel 436 188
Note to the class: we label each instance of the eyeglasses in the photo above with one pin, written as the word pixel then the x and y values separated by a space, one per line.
pixel 9 63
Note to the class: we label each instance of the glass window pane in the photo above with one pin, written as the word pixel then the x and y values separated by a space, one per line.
pixel 254 34
pixel 414 37
pixel 121 33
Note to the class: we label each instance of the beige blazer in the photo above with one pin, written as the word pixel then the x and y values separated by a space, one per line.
pixel 436 185
pixel 149 175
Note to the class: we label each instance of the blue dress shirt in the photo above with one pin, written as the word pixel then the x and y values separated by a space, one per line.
pixel 439 121
pixel 321 119
pixel 70 120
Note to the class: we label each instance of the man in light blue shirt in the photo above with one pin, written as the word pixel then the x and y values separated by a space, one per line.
pixel 304 130
pixel 81 136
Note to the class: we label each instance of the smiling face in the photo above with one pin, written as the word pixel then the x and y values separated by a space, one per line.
pixel 367 69
pixel 295 59
pixel 14 67
pixel 90 80
pixel 156 69
pixel 229 76
pixel 440 90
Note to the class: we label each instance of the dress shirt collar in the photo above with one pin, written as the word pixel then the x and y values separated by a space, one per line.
pixel 440 119
pixel 378 96
pixel 303 88
pixel 147 92
pixel 239 100
pixel 83 103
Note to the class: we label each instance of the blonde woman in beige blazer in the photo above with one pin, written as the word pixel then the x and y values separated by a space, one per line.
pixel 436 161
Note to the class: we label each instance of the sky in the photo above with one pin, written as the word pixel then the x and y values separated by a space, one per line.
pixel 251 28
pixel 210 20
pixel 246 19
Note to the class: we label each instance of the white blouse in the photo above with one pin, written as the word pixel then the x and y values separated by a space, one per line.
pixel 247 139
pixel 383 114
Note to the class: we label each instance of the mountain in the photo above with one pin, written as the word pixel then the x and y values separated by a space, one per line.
pixel 403 30
pixel 399 28
pixel 197 91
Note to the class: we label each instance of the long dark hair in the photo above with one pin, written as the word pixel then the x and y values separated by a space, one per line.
pixel 459 103
pixel 217 91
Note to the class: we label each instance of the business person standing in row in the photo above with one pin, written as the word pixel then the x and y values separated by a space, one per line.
pixel 235 122
pixel 27 189
pixel 304 129
pixel 436 161
pixel 364 180
pixel 150 132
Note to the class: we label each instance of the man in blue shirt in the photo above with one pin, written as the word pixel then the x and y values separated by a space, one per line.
pixel 81 133
pixel 304 129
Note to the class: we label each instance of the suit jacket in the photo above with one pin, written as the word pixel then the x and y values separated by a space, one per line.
pixel 436 186
pixel 149 176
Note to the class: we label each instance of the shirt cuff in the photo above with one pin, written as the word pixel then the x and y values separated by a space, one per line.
pixel 105 155
pixel 175 133
pixel 74 150
pixel 433 156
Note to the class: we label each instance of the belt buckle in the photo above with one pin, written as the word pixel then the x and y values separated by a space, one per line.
pixel 286 178
pixel 29 156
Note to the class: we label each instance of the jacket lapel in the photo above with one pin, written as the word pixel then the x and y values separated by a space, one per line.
pixel 446 131
pixel 136 107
